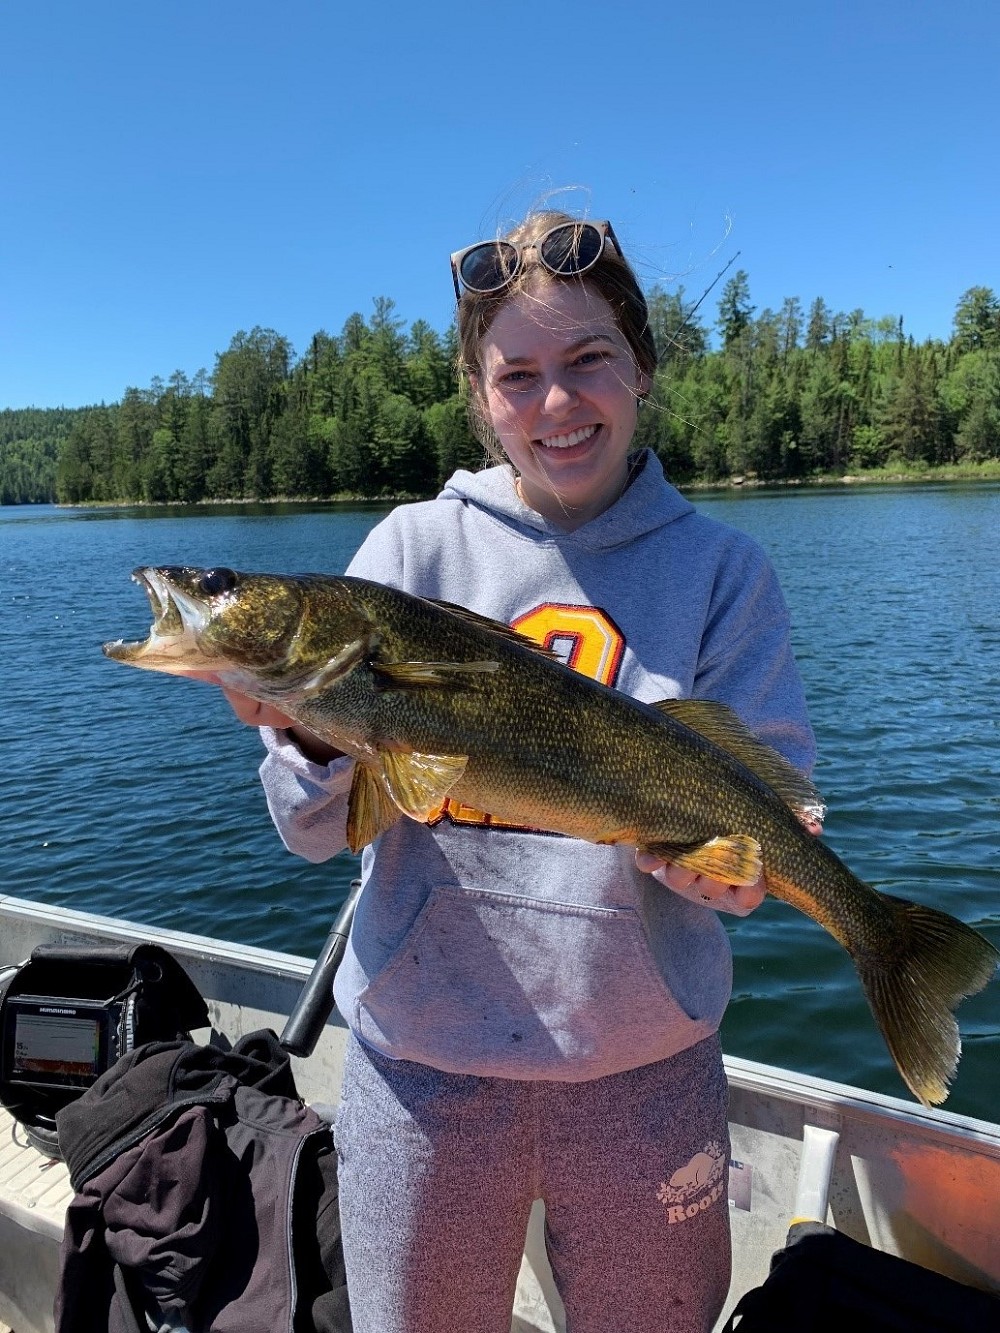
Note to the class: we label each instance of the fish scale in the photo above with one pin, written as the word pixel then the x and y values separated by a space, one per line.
pixel 434 701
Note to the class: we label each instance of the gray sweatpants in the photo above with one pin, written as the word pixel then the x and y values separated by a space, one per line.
pixel 438 1174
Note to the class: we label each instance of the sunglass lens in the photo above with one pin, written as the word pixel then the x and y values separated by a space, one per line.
pixel 488 267
pixel 573 248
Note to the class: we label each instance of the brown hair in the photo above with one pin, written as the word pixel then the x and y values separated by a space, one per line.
pixel 611 276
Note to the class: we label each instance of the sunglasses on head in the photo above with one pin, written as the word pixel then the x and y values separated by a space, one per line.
pixel 567 249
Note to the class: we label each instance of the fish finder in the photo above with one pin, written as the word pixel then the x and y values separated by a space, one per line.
pixel 60 1041
pixel 69 1013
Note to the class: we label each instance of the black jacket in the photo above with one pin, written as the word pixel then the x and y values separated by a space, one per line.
pixel 206 1198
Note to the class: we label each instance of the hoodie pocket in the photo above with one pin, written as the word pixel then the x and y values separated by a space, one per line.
pixel 509 986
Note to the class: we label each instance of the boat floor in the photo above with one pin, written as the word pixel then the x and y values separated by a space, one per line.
pixel 36 1190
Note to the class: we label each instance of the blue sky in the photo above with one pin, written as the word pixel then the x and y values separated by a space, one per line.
pixel 171 173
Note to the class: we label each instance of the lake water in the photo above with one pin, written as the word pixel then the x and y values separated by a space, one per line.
pixel 133 795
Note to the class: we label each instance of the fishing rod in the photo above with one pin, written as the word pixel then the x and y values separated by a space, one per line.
pixel 672 337
pixel 315 1003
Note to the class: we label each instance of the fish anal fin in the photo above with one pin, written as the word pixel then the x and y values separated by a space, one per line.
pixel 719 724
pixel 735 859
pixel 370 811
pixel 429 675
pixel 418 783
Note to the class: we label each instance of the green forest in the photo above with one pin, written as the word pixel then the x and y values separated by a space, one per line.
pixel 377 410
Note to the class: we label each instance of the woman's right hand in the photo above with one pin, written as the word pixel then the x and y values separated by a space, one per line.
pixel 254 713
pixel 257 714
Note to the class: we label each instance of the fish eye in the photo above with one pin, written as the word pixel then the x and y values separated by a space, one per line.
pixel 217 581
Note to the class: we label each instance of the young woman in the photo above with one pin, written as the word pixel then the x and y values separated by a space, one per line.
pixel 535 1017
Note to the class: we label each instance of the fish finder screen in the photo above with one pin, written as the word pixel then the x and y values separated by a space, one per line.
pixel 56 1044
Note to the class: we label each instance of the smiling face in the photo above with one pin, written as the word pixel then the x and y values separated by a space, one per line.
pixel 560 385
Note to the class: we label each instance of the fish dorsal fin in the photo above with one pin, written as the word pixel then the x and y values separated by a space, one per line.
pixel 719 724
pixel 420 782
pixel 429 675
pixel 370 810
pixel 732 860
pixel 495 627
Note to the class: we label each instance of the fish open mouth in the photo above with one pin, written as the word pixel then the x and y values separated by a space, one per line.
pixel 178 620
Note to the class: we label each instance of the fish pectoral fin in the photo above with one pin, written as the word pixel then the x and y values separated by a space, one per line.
pixel 719 724
pixel 370 809
pixel 420 782
pixel 732 860
pixel 429 675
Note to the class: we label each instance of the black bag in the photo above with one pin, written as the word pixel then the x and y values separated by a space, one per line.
pixel 824 1280
pixel 70 1012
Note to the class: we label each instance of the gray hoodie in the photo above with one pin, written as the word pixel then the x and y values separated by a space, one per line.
pixel 485 950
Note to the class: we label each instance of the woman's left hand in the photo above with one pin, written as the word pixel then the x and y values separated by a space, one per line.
pixel 737 899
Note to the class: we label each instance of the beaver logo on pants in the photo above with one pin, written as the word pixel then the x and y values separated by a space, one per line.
pixel 694 1187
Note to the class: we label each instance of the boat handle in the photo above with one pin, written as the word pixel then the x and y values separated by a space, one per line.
pixel 812 1194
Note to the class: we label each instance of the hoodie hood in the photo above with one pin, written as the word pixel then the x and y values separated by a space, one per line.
pixel 648 502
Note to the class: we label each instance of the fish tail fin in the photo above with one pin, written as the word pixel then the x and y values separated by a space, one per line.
pixel 939 961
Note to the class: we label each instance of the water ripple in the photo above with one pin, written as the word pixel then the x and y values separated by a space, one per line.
pixel 137 796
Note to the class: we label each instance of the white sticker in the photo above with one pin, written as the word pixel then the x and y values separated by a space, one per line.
pixel 740 1184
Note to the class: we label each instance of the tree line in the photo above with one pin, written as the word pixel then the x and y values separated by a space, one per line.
pixel 377 410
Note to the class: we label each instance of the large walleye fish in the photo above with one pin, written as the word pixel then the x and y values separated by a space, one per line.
pixel 432 700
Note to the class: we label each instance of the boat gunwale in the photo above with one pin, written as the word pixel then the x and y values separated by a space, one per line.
pixel 837 1102
pixel 824 1097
